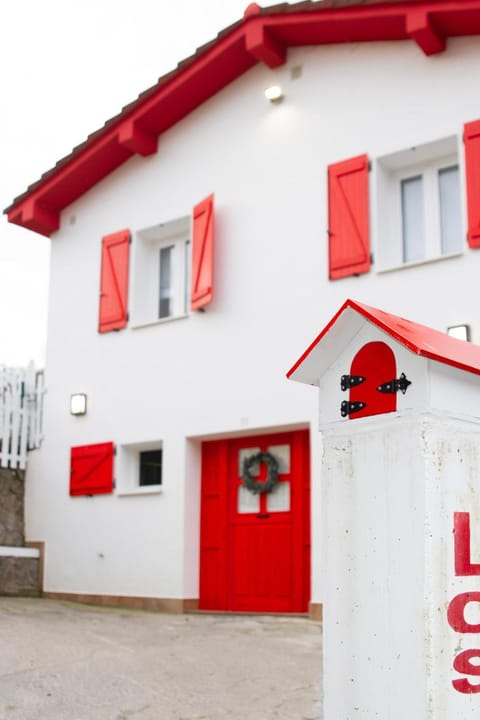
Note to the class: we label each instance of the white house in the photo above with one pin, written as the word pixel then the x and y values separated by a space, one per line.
pixel 220 230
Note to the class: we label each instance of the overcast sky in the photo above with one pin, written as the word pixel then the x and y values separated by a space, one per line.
pixel 67 66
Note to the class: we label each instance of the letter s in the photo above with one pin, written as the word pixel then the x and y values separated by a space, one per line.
pixel 463 664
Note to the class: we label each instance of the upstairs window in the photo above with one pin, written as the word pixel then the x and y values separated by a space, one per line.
pixel 162 272
pixel 419 203
pixel 173 266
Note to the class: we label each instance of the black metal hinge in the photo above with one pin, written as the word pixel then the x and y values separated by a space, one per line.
pixel 347 407
pixel 393 386
pixel 348 381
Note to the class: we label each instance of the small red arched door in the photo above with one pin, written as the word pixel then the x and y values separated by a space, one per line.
pixel 371 382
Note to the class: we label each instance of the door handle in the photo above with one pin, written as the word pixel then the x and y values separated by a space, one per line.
pixel 263 516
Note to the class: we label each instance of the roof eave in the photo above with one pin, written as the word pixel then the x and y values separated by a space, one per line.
pixel 263 35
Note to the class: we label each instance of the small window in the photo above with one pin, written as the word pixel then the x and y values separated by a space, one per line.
pixel 450 209
pixel 419 215
pixel 140 468
pixel 166 283
pixel 161 273
pixel 413 220
pixel 150 468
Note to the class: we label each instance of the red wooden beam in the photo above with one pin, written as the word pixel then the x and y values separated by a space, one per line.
pixel 134 138
pixel 421 28
pixel 261 43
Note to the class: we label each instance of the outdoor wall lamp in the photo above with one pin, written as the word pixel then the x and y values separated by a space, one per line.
pixel 78 404
pixel 461 332
pixel 274 93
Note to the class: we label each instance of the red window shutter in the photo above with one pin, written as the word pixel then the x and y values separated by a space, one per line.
pixel 471 139
pixel 114 281
pixel 202 254
pixel 348 217
pixel 91 469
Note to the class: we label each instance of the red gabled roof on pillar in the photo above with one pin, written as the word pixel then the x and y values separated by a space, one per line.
pixel 262 35
pixel 420 339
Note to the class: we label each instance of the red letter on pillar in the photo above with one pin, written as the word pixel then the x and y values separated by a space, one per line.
pixel 456 613
pixel 461 529
pixel 463 664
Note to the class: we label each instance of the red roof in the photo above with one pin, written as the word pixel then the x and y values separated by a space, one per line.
pixel 420 339
pixel 263 35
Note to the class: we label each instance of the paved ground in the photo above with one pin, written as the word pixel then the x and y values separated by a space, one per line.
pixel 62 661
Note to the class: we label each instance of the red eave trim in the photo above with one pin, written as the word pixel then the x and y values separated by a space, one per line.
pixel 263 35
pixel 420 339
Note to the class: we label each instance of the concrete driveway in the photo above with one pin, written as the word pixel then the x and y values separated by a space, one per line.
pixel 62 661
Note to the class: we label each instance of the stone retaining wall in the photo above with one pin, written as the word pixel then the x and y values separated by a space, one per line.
pixel 19 576
pixel 12 528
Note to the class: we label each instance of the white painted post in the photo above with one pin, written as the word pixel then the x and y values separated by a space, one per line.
pixel 401 529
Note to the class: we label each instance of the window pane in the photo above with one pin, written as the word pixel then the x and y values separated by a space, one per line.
pixel 450 209
pixel 247 501
pixel 243 455
pixel 151 467
pixel 281 453
pixel 166 287
pixel 413 225
pixel 187 278
pixel 279 499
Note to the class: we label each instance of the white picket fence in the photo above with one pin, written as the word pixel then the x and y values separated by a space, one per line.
pixel 21 409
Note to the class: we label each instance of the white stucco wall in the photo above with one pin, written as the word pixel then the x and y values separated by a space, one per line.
pixel 223 372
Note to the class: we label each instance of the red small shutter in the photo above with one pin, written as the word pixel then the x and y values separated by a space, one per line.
pixel 91 469
pixel 471 139
pixel 114 281
pixel 202 254
pixel 348 218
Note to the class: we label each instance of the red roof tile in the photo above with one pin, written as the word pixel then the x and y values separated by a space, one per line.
pixel 419 339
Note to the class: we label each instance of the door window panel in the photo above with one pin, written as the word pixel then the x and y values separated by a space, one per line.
pixel 281 453
pixel 247 501
pixel 279 499
pixel 243 455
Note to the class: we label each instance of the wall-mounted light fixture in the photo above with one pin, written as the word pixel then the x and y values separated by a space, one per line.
pixel 78 404
pixel 461 332
pixel 274 93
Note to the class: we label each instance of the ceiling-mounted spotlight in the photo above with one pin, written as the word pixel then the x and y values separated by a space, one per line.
pixel 274 93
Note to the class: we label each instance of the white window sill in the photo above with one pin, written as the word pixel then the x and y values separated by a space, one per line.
pixel 159 321
pixel 146 490
pixel 415 263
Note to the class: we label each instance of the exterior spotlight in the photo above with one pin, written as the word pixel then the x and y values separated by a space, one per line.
pixel 78 404
pixel 274 93
pixel 461 332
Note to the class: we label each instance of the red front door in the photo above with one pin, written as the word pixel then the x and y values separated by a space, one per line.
pixel 255 548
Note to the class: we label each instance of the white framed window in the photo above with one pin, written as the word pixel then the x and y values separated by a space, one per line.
pixel 140 468
pixel 161 272
pixel 419 205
